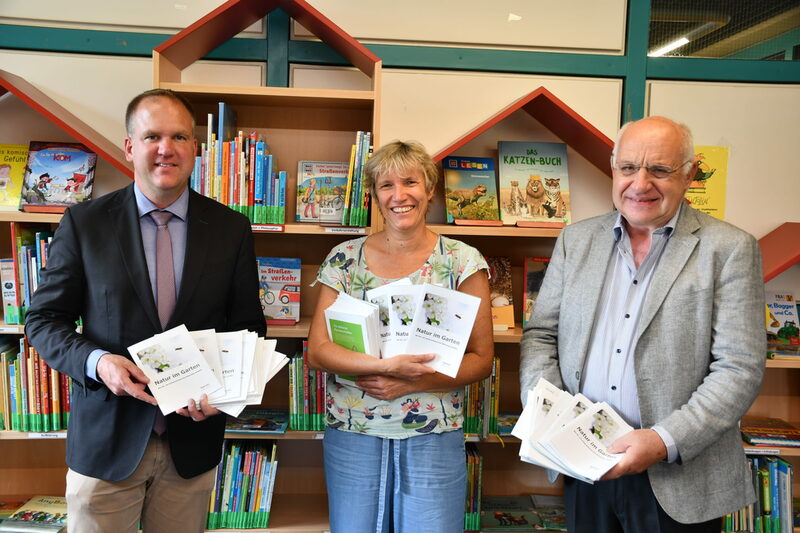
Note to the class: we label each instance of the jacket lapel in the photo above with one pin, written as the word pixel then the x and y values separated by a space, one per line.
pixel 125 221
pixel 197 243
pixel 674 258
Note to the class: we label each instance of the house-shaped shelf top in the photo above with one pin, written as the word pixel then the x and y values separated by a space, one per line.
pixel 780 249
pixel 556 116
pixel 65 120
pixel 175 54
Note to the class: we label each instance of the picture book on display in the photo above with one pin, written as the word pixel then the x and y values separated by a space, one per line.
pixel 40 513
pixel 279 289
pixel 258 420
pixel 532 277
pixel 13 158
pixel 510 513
pixel 57 175
pixel 783 324
pixel 321 188
pixel 500 292
pixel 470 189
pixel 534 183
pixel 568 434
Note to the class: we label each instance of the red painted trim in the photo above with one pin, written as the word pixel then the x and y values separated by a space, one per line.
pixel 229 19
pixel 780 249
pixel 61 117
pixel 556 116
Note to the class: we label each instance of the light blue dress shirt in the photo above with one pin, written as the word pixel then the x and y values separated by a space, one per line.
pixel 609 373
pixel 177 227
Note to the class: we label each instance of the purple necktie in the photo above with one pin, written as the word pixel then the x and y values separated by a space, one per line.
pixel 165 286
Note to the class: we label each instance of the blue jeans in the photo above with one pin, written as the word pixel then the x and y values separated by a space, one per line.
pixel 395 485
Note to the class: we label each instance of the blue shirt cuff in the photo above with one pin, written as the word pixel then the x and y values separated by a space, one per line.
pixel 669 442
pixel 91 364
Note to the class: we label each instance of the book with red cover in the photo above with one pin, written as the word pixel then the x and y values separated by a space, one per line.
pixel 766 431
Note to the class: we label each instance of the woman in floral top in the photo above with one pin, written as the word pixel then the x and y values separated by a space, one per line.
pixel 394 448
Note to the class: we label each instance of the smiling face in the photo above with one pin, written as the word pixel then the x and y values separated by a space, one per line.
pixel 403 198
pixel 647 202
pixel 161 147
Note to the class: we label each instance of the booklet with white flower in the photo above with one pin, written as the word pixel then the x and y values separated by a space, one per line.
pixel 442 325
pixel 568 434
pixel 397 302
pixel 176 368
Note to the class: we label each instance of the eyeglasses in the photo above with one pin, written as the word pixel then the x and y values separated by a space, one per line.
pixel 657 171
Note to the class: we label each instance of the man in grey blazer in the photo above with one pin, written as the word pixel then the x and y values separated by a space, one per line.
pixel 657 309
pixel 127 463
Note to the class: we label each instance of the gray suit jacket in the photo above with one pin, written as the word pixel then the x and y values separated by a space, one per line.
pixel 699 350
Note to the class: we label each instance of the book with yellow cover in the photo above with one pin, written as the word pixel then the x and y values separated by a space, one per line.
pixel 12 170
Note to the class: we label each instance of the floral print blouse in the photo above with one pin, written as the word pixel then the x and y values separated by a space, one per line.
pixel 349 408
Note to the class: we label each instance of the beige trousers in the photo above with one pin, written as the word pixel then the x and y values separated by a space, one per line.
pixel 154 494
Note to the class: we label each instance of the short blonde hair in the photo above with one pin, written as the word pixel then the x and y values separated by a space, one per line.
pixel 398 156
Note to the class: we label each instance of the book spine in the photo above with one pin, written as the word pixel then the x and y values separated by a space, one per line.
pixel 349 188
pixel 44 380
pixel 13 384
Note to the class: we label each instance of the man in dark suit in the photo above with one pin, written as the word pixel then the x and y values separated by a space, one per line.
pixel 125 462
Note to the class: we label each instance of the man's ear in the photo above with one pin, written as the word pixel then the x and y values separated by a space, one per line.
pixel 128 148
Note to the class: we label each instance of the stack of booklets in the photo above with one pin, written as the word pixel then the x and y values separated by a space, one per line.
pixel 307 392
pixel 766 431
pixel 232 368
pixel 236 169
pixel 568 434
pixel 242 493
pixel 772 512
pixel 40 513
pixel 33 396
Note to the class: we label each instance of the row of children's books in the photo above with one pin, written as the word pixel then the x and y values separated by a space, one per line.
pixel 481 403
pixel 533 186
pixel 307 394
pixel 472 506
pixel 237 170
pixel 33 396
pixel 45 177
pixel 333 192
pixel 772 512
pixel 19 274
pixel 242 493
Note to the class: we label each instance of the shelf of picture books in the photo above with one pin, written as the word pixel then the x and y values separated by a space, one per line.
pixel 774 509
pixel 283 168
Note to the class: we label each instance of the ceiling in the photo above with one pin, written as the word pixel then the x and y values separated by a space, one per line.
pixel 720 28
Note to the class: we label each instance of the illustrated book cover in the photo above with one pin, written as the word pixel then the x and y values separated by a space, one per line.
pixel 321 187
pixel 534 183
pixel 470 188
pixel 57 175
pixel 13 158
pixel 500 292
pixel 442 325
pixel 511 513
pixel 279 289
pixel 533 272
pixel 259 420
pixel 783 324
pixel 40 510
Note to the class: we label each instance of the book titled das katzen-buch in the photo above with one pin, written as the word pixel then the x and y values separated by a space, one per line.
pixel 534 183
pixel 57 175
pixel 470 188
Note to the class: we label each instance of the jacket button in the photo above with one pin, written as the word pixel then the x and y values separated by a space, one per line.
pixel 577 375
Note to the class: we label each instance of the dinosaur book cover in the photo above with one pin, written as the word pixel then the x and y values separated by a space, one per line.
pixel 534 183
pixel 470 188
pixel 57 175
